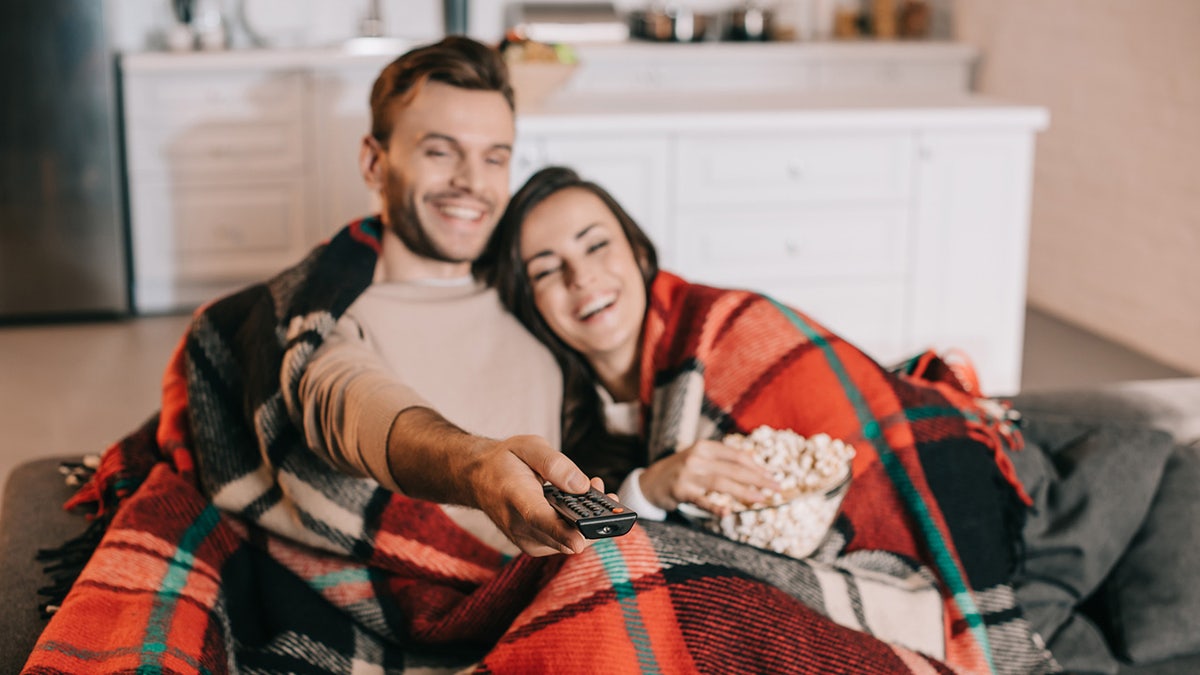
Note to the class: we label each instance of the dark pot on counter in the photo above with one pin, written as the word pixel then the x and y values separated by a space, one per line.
pixel 672 25
pixel 748 23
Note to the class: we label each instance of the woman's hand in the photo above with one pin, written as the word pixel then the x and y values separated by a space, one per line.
pixel 707 466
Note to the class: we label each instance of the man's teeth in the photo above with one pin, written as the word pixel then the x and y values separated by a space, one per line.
pixel 595 306
pixel 462 212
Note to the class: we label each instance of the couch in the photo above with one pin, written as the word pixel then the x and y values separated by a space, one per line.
pixel 1111 572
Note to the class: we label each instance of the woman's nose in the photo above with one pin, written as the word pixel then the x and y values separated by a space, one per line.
pixel 580 276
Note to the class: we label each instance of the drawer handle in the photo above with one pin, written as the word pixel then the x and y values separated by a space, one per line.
pixel 792 247
pixel 795 171
pixel 231 234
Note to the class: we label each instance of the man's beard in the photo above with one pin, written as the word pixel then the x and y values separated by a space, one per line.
pixel 404 220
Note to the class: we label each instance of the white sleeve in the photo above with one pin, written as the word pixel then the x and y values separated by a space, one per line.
pixel 631 495
pixel 348 400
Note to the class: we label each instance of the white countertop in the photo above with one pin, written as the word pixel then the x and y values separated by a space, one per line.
pixel 568 111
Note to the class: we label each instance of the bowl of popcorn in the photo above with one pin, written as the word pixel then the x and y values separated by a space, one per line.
pixel 814 475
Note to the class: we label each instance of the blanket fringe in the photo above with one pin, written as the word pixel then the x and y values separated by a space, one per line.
pixel 64 564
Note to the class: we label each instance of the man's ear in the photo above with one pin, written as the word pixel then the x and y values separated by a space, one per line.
pixel 371 161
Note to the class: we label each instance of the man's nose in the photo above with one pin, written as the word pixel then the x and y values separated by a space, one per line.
pixel 468 175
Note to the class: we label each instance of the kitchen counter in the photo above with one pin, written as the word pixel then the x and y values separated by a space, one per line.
pixel 716 111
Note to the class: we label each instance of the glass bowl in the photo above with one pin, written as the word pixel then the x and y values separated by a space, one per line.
pixel 794 527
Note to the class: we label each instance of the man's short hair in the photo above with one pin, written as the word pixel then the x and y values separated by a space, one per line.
pixel 456 60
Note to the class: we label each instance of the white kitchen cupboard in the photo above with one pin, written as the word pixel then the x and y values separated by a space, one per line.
pixel 902 226
pixel 898 218
pixel 218 177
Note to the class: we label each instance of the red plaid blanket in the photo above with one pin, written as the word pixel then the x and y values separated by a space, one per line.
pixel 231 548
pixel 930 479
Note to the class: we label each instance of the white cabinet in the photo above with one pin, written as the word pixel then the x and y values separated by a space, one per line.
pixel 218 180
pixel 340 104
pixel 971 230
pixel 900 229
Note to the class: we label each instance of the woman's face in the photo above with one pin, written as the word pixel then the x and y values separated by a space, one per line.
pixel 586 282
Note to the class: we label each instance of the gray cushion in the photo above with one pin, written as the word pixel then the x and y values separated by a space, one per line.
pixel 1092 487
pixel 1153 595
pixel 1149 605
pixel 31 518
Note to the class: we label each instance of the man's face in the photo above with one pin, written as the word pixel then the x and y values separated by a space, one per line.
pixel 443 176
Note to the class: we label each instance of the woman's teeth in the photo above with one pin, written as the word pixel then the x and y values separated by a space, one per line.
pixel 596 306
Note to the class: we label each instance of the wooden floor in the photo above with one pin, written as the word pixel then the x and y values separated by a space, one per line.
pixel 70 389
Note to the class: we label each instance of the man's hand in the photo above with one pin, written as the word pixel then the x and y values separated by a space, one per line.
pixel 506 480
pixel 707 466
pixel 430 458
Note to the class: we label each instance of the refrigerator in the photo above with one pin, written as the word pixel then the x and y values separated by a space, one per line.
pixel 63 231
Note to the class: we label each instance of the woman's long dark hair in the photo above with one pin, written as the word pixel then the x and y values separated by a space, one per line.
pixel 585 437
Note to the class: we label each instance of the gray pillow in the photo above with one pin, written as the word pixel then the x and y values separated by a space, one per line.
pixel 1093 484
pixel 1153 594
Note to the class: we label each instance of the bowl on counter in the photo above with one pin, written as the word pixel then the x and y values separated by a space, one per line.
pixel 533 82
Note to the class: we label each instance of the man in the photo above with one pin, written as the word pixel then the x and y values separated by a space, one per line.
pixel 426 351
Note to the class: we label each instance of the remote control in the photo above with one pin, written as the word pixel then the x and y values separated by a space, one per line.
pixel 594 513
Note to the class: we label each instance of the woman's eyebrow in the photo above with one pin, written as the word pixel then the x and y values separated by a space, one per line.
pixel 578 235
pixel 539 254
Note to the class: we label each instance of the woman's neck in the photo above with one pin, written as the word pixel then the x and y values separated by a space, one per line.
pixel 619 375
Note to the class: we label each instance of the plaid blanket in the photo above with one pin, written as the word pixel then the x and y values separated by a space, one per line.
pixel 930 481
pixel 230 547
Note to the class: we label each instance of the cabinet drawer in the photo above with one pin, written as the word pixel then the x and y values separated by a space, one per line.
pixel 235 219
pixel 206 232
pixel 217 148
pixel 802 244
pixel 776 167
pixel 204 96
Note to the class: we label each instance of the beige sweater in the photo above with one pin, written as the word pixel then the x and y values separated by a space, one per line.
pixel 452 348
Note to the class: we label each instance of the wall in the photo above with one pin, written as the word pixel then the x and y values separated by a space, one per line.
pixel 1115 240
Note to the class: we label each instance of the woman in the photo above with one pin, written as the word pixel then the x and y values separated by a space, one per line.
pixel 576 270
pixel 657 370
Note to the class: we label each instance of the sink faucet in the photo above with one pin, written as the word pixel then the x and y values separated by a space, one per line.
pixel 372 23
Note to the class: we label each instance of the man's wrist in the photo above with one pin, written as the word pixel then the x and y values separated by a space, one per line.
pixel 431 458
